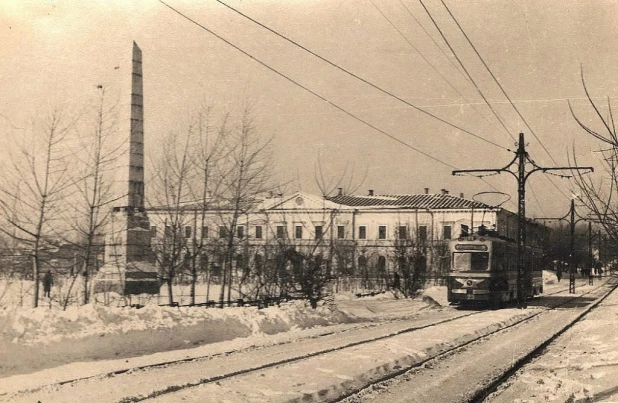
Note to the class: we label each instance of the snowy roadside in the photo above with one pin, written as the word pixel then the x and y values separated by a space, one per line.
pixel 36 339
pixel 580 366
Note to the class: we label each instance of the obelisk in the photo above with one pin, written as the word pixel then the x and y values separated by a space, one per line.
pixel 129 260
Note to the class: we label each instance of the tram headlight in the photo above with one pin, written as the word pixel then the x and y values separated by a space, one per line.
pixel 469 283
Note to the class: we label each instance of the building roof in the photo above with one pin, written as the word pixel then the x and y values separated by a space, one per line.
pixel 420 201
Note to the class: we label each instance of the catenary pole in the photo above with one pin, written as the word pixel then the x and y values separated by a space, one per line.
pixel 521 161
pixel 572 222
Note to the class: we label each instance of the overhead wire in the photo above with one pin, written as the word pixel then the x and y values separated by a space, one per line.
pixel 536 199
pixel 308 89
pixel 469 103
pixel 503 91
pixel 466 70
pixel 357 76
pixel 495 79
pixel 457 68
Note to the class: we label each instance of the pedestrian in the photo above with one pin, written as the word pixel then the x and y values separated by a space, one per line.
pixel 48 281
pixel 559 273
pixel 396 281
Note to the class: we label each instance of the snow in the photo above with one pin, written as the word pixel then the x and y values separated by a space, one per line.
pixel 35 339
pixel 40 346
pixel 580 366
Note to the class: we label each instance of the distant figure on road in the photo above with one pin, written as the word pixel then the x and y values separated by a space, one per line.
pixel 559 273
pixel 48 281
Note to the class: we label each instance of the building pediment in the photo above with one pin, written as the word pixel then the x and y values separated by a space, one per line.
pixel 299 201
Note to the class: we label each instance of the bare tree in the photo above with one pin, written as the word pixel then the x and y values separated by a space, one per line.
pixel 171 194
pixel 599 194
pixel 246 172
pixel 410 258
pixel 33 186
pixel 204 189
pixel 97 157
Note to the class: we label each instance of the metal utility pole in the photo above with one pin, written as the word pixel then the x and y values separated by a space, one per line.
pixel 572 222
pixel 590 262
pixel 521 161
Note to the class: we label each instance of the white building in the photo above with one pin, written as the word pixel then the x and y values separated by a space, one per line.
pixel 358 235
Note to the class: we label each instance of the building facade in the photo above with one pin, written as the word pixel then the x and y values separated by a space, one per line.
pixel 359 237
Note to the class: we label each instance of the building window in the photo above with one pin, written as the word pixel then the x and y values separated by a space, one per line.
pixel 340 232
pixel 205 232
pixel 446 232
pixel 318 232
pixel 280 232
pixel 422 233
pixel 153 231
pixel 222 232
pixel 187 232
pixel 258 232
pixel 298 232
pixel 168 231
pixel 382 232
pixel 240 231
pixel 362 232
pixel 403 232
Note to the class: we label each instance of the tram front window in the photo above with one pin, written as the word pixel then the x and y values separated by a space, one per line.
pixel 464 261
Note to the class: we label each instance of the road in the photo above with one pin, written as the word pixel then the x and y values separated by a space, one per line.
pixel 441 355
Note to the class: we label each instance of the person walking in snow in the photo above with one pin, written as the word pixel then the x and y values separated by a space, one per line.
pixel 48 281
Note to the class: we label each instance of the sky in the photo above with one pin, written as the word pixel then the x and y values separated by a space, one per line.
pixel 56 53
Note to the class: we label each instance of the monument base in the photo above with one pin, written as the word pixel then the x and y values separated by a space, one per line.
pixel 130 279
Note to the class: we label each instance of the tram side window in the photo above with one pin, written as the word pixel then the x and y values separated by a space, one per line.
pixel 470 261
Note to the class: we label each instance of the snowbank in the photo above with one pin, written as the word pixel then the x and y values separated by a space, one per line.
pixel 45 326
pixel 34 339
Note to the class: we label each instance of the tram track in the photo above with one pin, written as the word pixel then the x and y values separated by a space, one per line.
pixel 322 394
pixel 169 363
pixel 175 387
pixel 492 386
pixel 354 396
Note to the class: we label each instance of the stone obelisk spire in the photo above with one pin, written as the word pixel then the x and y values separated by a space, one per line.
pixel 136 151
pixel 129 260
pixel 128 236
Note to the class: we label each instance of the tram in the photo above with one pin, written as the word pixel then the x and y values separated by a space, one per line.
pixel 483 269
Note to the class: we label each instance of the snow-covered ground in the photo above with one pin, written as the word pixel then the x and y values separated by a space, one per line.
pixel 580 366
pixel 35 339
pixel 53 345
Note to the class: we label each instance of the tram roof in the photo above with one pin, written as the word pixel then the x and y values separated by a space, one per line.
pixel 420 201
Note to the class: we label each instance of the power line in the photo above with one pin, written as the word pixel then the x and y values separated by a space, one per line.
pixel 434 68
pixel 434 41
pixel 350 73
pixel 536 198
pixel 307 89
pixel 466 70
pixel 503 91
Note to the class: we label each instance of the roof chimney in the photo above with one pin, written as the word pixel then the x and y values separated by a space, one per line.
pixel 444 191
pixel 426 191
pixel 461 195
pixel 370 192
pixel 340 192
